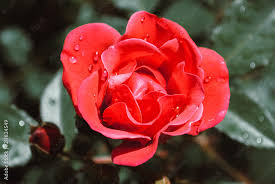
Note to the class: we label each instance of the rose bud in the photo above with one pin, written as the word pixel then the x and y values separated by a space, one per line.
pixel 151 81
pixel 47 138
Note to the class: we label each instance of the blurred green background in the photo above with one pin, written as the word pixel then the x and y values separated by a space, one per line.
pixel 242 31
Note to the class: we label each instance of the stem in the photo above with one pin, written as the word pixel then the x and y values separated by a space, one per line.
pixel 203 141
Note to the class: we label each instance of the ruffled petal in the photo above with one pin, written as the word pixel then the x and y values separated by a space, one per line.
pixel 132 153
pixel 191 87
pixel 173 130
pixel 81 54
pixel 216 88
pixel 87 98
pixel 117 56
pixel 152 72
pixel 122 93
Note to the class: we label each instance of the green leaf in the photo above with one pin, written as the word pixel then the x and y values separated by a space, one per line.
pixel 17 123
pixel 16 45
pixel 56 107
pixel 251 116
pixel 195 18
pixel 245 38
pixel 136 5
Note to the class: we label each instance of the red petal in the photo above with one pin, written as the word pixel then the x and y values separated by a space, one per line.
pixel 119 117
pixel 152 72
pixel 87 98
pixel 81 46
pixel 122 93
pixel 150 107
pixel 118 56
pixel 216 87
pixel 187 127
pixel 131 153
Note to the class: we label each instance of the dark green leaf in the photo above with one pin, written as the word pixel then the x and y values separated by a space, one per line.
pixel 56 107
pixel 17 123
pixel 195 18
pixel 246 36
pixel 251 117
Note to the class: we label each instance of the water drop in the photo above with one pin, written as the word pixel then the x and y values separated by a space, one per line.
pixel 252 65
pixel 4 146
pixel 90 68
pixel 73 59
pixel 76 47
pixel 94 95
pixel 242 9
pixel 21 123
pixel 261 119
pixel 82 53
pixel 104 75
pixel 245 135
pixel 147 37
pixel 80 38
pixel 96 57
pixel 259 140
pixel 207 79
pixel 142 19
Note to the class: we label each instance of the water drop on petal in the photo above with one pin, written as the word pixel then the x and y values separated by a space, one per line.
pixel 76 47
pixel 142 19
pixel 104 75
pixel 245 135
pixel 96 57
pixel 90 68
pixel 73 59
pixel 80 38
pixel 207 79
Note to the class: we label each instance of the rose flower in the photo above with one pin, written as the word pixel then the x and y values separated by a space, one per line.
pixel 151 81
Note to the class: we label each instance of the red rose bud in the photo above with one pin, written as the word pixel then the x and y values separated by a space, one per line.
pixel 47 138
pixel 152 81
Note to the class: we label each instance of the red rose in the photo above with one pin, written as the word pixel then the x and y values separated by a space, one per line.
pixel 151 81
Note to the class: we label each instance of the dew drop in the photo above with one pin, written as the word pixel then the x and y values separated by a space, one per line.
pixel 94 95
pixel 82 53
pixel 90 68
pixel 245 135
pixel 252 65
pixel 242 9
pixel 147 37
pixel 81 38
pixel 261 119
pixel 96 57
pixel 4 146
pixel 259 140
pixel 76 47
pixel 142 19
pixel 21 123
pixel 207 79
pixel 104 75
pixel 73 59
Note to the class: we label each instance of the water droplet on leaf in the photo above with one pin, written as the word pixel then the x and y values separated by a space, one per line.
pixel 21 123
pixel 252 65
pixel 259 140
